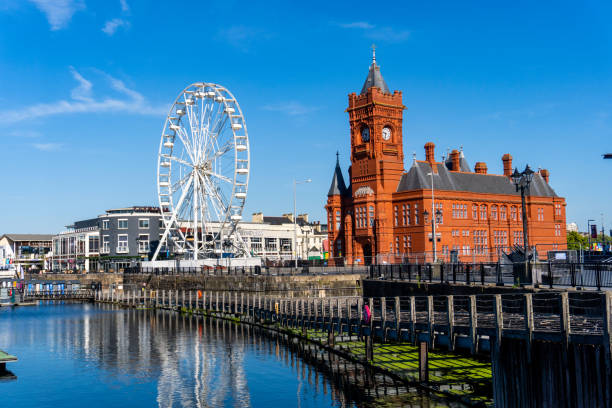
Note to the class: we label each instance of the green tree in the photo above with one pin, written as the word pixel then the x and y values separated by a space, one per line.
pixel 576 241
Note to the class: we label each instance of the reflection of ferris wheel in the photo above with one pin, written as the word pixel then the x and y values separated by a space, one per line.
pixel 202 171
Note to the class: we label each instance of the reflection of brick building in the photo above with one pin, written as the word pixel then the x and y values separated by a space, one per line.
pixel 386 210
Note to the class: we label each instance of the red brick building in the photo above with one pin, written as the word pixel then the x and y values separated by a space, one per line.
pixel 386 211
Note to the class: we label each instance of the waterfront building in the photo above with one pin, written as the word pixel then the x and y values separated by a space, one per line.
pixel 272 238
pixel 23 253
pixel 123 237
pixel 387 212
pixel 572 227
pixel 112 241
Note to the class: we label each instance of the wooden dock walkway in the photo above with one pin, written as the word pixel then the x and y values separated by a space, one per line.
pixel 562 336
pixel 470 322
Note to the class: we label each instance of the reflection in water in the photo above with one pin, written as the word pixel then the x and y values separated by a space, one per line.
pixel 93 355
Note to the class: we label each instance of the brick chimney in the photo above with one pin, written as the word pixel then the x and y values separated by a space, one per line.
pixel 257 218
pixel 507 159
pixel 480 168
pixel 303 217
pixel 429 152
pixel 455 160
pixel 545 174
pixel 289 215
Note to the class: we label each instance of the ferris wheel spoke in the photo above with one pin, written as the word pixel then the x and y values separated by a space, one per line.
pixel 184 139
pixel 176 186
pixel 219 176
pixel 218 207
pixel 181 161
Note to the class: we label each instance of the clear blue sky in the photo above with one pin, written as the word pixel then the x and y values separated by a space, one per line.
pixel 85 86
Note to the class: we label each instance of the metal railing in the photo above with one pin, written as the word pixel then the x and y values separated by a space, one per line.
pixel 551 274
pixel 248 270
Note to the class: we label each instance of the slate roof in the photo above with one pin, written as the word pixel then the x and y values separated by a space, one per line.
pixel 337 186
pixel 283 220
pixel 374 78
pixel 463 164
pixel 417 179
pixel 28 237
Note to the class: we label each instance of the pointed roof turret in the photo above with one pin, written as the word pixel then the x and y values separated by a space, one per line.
pixel 374 77
pixel 337 185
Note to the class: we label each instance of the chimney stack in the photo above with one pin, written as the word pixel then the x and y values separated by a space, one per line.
pixel 303 217
pixel 289 215
pixel 545 175
pixel 455 160
pixel 480 168
pixel 429 153
pixel 257 217
pixel 507 159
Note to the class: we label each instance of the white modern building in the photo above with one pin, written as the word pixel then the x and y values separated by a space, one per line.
pixel 272 238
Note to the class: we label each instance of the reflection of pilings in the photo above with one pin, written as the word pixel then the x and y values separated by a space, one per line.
pixel 338 317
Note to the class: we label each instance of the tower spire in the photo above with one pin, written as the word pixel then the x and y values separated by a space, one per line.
pixel 374 78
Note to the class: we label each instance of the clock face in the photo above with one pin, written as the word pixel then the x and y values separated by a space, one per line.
pixel 386 133
pixel 365 134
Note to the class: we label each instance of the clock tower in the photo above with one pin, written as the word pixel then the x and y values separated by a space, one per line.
pixel 377 158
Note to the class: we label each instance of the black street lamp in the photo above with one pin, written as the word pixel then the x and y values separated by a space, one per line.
pixel 521 182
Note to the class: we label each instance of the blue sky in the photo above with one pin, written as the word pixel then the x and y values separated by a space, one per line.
pixel 85 86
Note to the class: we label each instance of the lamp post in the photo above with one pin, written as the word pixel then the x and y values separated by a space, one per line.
pixel 589 233
pixel 295 183
pixel 434 218
pixel 521 182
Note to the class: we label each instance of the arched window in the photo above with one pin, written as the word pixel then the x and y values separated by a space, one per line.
pixel 502 213
pixel 475 212
pixel 371 216
pixel 494 212
pixel 483 212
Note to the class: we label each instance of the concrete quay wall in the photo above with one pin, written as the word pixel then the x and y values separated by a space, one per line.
pixel 288 285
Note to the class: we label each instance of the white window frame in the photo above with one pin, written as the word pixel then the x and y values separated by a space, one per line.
pixel 123 249
pixel 141 247
pixel 143 219
pixel 105 248
pixel 119 223
pixel 105 224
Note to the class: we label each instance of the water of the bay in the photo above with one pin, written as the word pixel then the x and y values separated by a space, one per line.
pixel 92 355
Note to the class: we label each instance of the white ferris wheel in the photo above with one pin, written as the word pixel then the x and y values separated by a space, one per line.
pixel 203 173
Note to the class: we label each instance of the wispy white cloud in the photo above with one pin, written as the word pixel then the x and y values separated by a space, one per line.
pixel 242 37
pixel 59 12
pixel 29 134
pixel 387 34
pixel 83 102
pixel 47 147
pixel 124 6
pixel 357 24
pixel 291 108
pixel 83 91
pixel 113 25
pixel 378 33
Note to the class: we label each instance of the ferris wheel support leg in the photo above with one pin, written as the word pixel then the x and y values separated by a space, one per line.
pixel 172 220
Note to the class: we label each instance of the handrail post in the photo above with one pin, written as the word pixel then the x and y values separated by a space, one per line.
pixel 473 323
pixel 550 278
pixel 482 274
